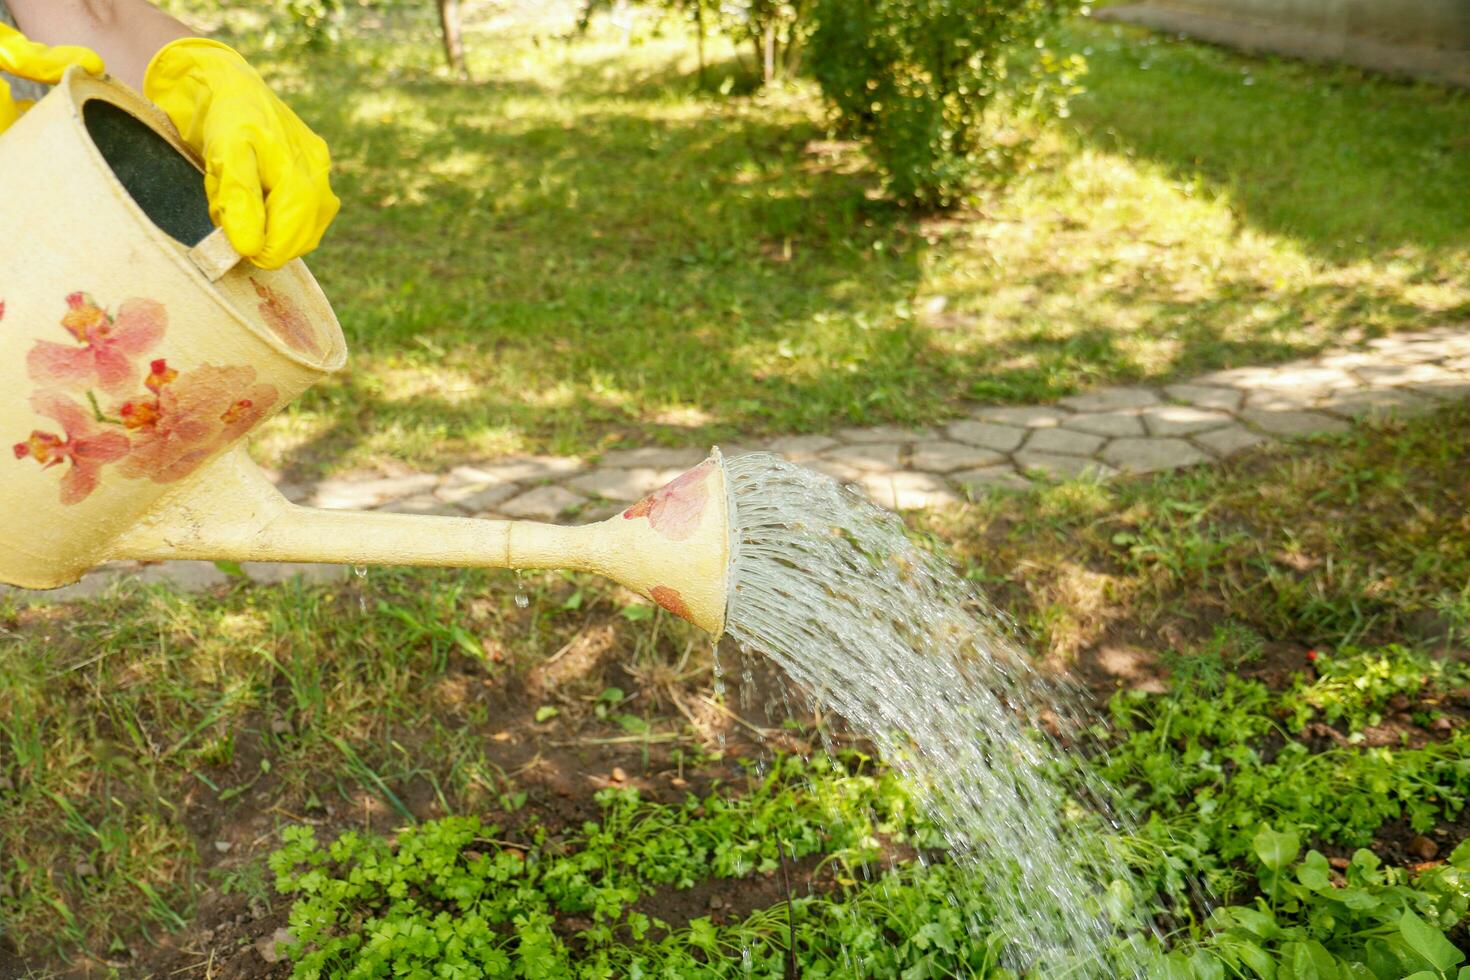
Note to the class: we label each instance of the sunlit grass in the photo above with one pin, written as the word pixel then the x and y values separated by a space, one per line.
pixel 582 249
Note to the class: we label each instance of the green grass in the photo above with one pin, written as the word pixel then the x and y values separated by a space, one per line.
pixel 1358 538
pixel 582 249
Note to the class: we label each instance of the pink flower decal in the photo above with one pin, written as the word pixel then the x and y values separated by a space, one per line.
pixel 189 417
pixel 671 600
pixel 675 509
pixel 108 344
pixel 287 320
pixel 86 445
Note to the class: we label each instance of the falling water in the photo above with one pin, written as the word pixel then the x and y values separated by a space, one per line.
pixel 888 636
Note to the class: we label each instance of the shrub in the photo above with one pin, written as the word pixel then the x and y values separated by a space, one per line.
pixel 914 77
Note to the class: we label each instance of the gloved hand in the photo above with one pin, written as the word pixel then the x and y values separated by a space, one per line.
pixel 266 173
pixel 24 58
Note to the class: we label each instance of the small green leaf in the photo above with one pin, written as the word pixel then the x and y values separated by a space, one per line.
pixel 1276 849
pixel 231 568
pixel 1315 872
pixel 546 712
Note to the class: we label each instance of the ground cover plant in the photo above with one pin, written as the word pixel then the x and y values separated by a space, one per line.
pixel 586 249
pixel 156 748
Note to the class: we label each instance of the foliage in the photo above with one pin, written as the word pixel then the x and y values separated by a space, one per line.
pixel 1210 765
pixel 1310 921
pixel 454 895
pixel 914 78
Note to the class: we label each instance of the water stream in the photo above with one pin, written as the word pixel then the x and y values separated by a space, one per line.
pixel 888 636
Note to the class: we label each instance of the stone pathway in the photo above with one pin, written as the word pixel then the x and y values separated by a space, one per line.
pixel 1104 432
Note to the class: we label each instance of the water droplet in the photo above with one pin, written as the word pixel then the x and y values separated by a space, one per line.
pixel 360 571
pixel 522 600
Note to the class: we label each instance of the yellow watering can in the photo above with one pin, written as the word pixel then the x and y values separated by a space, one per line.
pixel 137 353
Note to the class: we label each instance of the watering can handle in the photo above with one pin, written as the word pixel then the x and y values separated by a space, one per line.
pixel 214 256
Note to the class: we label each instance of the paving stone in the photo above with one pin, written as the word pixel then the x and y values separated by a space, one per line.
pixel 983 478
pixel 1349 359
pixel 797 448
pixel 1061 466
pixel 541 504
pixel 868 455
pixel 1111 399
pixel 1121 423
pixel 518 468
pixel 1183 420
pixel 1229 440
pixel 1063 441
pixel 1241 377
pixel 1152 454
pixel 654 456
pixel 1301 377
pixel 1281 399
pixel 884 433
pixel 1378 402
pixel 1380 375
pixel 987 435
pixel 1403 350
pixel 625 485
pixel 485 497
pixel 366 494
pixel 1292 423
pixel 1445 390
pixel 1206 396
pixel 476 496
pixel 907 490
pixel 1026 416
pixel 186 576
pixel 277 572
pixel 946 457
pixel 421 503
pixel 838 470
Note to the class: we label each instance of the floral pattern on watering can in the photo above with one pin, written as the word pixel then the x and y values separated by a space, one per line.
pixel 675 511
pixel 119 403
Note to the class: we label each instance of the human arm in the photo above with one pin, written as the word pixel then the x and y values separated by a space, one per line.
pixel 126 33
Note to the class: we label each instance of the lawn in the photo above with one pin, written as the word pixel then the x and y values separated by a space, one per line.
pixel 1302 612
pixel 583 249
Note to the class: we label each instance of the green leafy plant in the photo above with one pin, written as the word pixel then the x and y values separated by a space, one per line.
pixel 1312 921
pixel 914 78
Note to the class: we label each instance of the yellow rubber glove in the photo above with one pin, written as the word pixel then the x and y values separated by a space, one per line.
pixel 266 173
pixel 24 58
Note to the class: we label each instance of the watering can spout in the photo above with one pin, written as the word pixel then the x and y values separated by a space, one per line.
pixel 672 546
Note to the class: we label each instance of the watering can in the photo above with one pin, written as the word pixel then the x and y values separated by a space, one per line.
pixel 138 353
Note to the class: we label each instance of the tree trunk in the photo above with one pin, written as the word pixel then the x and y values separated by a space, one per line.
pixel 453 41
pixel 699 26
pixel 768 52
